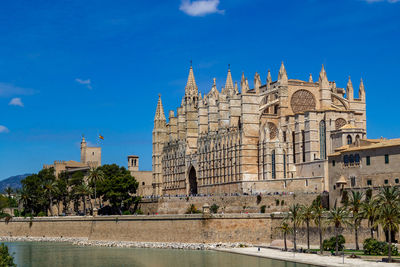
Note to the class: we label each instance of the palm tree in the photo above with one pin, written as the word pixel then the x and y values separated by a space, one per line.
pixel 9 191
pixel 389 219
pixel 82 191
pixel 388 196
pixel 50 189
pixel 285 229
pixel 369 212
pixel 95 176
pixel 25 199
pixel 318 212
pixel 294 217
pixel 354 205
pixel 338 216
pixel 306 215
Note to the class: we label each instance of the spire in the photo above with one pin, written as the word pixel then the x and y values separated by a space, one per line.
pixel 236 88
pixel 229 82
pixel 349 90
pixel 323 79
pixel 257 82
pixel 191 87
pixel 361 91
pixel 269 80
pixel 310 80
pixel 244 84
pixel 282 76
pixel 83 142
pixel 160 116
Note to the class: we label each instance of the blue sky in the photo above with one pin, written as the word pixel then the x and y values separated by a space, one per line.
pixel 74 67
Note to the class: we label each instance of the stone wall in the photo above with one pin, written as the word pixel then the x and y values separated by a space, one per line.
pixel 227 204
pixel 197 228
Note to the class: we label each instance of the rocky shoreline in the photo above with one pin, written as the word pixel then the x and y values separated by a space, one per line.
pixel 83 242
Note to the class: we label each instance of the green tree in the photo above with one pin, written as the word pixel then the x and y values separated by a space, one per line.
pixel 83 191
pixel 9 191
pixel 306 216
pixel 354 205
pixel 338 216
pixel 118 187
pixel 6 260
pixel 294 217
pixel 50 189
pixel 96 176
pixel 285 229
pixel 369 212
pixel 388 214
pixel 318 213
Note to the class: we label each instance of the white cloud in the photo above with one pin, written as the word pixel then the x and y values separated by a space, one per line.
pixel 16 101
pixel 4 129
pixel 200 7
pixel 7 89
pixel 84 82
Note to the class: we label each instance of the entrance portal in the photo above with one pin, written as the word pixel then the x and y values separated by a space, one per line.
pixel 192 181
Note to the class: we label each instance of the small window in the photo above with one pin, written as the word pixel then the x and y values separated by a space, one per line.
pixel 353 181
pixel 284 136
pixel 333 163
pixel 346 159
pixel 349 140
pixel 306 182
pixel 369 182
pixel 93 153
pixel 334 187
pixel 351 159
pixel 357 158
pixel 386 181
pixel 386 159
pixel 142 183
pixel 368 159
pixel 396 180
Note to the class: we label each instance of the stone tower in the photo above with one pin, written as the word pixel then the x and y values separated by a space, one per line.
pixel 159 137
pixel 90 155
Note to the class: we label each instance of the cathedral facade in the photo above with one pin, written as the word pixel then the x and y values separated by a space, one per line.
pixel 274 137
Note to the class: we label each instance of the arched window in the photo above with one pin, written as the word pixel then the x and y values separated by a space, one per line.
pixel 303 145
pixel 349 140
pixel 294 146
pixel 322 140
pixel 273 164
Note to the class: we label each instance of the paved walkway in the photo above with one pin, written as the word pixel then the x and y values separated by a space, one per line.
pixel 312 259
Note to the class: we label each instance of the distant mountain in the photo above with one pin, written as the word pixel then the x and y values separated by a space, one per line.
pixel 14 182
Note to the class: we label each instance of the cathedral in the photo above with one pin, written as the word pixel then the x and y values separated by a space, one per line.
pixel 275 137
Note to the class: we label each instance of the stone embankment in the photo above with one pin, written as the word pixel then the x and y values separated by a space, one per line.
pixel 124 244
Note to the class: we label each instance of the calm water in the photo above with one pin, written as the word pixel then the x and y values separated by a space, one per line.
pixel 64 254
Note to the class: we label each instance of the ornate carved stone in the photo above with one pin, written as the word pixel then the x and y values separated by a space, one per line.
pixel 339 123
pixel 273 131
pixel 302 100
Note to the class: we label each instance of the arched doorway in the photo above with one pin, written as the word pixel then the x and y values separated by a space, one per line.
pixel 192 181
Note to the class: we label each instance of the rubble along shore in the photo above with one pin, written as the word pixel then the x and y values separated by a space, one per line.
pixel 80 241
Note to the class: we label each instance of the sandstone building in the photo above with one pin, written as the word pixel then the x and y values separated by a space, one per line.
pixel 90 158
pixel 274 137
pixel 364 164
pixel 144 178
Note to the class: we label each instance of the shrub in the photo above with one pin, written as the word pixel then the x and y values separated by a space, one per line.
pixel 375 247
pixel 126 212
pixel 330 244
pixel 214 208
pixel 192 209
pixel 6 259
pixel 277 202
pixel 41 214
pixel 262 208
pixel 17 213
pixel 139 212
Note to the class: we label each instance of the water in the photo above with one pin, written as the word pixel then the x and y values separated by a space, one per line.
pixel 63 254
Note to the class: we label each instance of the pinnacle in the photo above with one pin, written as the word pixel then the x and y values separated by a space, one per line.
pixel 191 86
pixel 229 82
pixel 160 110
